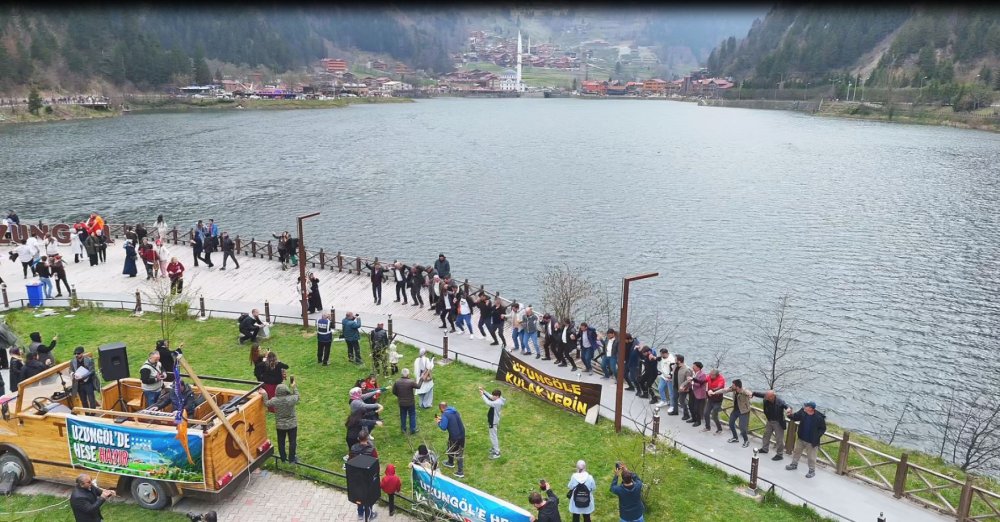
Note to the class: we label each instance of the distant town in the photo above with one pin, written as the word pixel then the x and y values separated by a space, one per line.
pixel 493 66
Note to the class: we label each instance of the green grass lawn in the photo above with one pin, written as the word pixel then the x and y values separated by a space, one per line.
pixel 56 509
pixel 537 440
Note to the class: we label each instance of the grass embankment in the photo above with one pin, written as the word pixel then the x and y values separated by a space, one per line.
pixel 537 439
pixel 55 509
pixel 982 119
pixel 59 113
pixel 173 104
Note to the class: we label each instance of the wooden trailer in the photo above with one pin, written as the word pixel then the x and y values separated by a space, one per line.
pixel 46 434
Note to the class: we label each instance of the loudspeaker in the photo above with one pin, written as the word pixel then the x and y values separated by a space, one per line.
pixel 363 480
pixel 114 361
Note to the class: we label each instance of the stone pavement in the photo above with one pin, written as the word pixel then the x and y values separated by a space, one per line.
pixel 267 497
pixel 257 280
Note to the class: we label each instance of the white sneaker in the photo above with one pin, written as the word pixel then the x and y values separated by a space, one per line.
pixel 472 337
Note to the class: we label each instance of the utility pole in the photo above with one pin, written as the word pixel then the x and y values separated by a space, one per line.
pixel 302 270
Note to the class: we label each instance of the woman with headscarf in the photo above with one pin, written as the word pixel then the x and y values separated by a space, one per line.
pixel 130 255
pixel 315 301
pixel 581 493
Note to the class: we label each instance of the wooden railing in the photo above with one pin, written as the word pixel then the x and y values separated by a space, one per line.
pixel 962 499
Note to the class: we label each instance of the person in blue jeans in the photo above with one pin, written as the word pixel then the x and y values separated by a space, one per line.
pixel 529 331
pixel 45 276
pixel 665 366
pixel 609 348
pixel 587 339
pixel 630 506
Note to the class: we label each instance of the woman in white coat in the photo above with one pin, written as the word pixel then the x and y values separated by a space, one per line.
pixel 422 369
pixel 581 478
pixel 76 245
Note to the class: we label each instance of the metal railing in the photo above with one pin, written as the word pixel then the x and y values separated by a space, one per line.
pixel 949 495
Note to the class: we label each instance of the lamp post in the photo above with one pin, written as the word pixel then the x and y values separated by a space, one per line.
pixel 921 96
pixel 622 324
pixel 302 269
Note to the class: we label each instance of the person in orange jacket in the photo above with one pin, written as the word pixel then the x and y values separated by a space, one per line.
pixel 94 223
pixel 391 485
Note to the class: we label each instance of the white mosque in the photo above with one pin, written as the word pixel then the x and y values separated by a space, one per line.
pixel 510 79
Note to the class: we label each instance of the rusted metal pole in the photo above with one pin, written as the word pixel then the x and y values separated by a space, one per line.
pixel 333 317
pixel 302 269
pixel 444 343
pixel 6 301
pixel 201 306
pixel 390 326
pixel 267 311
pixel 656 422
pixel 138 302
pixel 620 337
pixel 754 464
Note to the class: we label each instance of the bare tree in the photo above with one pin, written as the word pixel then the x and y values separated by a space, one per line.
pixel 719 359
pixel 972 431
pixel 565 290
pixel 171 307
pixel 778 347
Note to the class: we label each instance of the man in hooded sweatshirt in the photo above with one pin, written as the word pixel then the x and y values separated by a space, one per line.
pixel 285 421
pixel 391 485
pixel 496 403
pixel 451 421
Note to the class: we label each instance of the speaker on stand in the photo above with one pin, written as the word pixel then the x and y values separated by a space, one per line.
pixel 363 480
pixel 113 360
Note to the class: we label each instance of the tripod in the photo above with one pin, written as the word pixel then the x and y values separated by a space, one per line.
pixel 120 400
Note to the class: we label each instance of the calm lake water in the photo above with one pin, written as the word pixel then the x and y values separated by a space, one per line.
pixel 886 236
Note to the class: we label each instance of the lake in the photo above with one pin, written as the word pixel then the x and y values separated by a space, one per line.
pixel 885 236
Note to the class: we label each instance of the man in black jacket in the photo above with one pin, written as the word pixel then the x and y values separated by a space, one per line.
pixel 548 508
pixel 32 368
pixel 250 326
pixel 87 499
pixel 442 267
pixel 87 385
pixel 565 342
pixel 16 368
pixel 774 411
pixel 44 351
pixel 812 426
pixel 377 276
pixel 228 251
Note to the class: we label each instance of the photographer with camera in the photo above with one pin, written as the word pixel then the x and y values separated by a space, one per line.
pixel 630 506
pixel 548 508
pixel 351 328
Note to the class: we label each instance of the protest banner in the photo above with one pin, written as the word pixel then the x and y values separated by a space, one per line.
pixel 135 452
pixel 578 397
pixel 458 501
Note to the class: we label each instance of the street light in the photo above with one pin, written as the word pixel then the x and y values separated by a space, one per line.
pixel 921 94
pixel 302 269
pixel 621 345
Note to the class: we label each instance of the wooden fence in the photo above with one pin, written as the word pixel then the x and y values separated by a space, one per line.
pixel 962 499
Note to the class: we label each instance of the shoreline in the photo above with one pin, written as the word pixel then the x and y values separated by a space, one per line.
pixel 75 112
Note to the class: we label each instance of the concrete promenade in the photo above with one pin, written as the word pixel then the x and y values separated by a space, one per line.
pixel 257 280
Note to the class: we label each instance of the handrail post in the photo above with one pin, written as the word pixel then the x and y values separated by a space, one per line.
pixel 390 327
pixel 253 247
pixel 239 250
pixel 269 252
pixel 790 435
pixel 322 259
pixel 340 261
pixel 899 484
pixel 138 302
pixel 843 453
pixel 6 301
pixel 201 306
pixel 444 343
pixel 357 263
pixel 174 234
pixel 965 501
pixel 267 311
pixel 656 422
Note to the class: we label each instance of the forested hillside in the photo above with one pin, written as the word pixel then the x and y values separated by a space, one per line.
pixel 946 51
pixel 149 47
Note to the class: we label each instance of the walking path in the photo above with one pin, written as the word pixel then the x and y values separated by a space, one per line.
pixel 267 497
pixel 259 279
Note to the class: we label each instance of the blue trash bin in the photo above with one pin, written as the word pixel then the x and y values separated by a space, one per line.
pixel 35 294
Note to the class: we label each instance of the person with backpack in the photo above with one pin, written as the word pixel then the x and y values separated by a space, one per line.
pixel 581 493
pixel 324 338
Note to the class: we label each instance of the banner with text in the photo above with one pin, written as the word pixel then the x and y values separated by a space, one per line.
pixel 575 396
pixel 135 452
pixel 460 502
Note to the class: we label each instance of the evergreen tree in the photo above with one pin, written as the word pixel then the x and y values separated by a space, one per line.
pixel 202 75
pixel 34 101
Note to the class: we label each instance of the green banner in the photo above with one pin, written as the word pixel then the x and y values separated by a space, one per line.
pixel 136 452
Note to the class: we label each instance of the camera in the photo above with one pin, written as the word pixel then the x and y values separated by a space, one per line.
pixel 203 517
pixel 618 465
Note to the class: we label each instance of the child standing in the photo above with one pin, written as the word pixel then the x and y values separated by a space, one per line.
pixel 391 485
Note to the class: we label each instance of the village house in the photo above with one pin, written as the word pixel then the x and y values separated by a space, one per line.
pixel 378 65
pixel 333 65
pixel 654 86
pixel 593 87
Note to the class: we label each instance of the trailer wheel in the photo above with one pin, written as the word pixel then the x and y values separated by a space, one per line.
pixel 150 494
pixel 12 462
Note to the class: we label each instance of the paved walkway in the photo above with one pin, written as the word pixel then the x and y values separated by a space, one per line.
pixel 259 279
pixel 267 497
